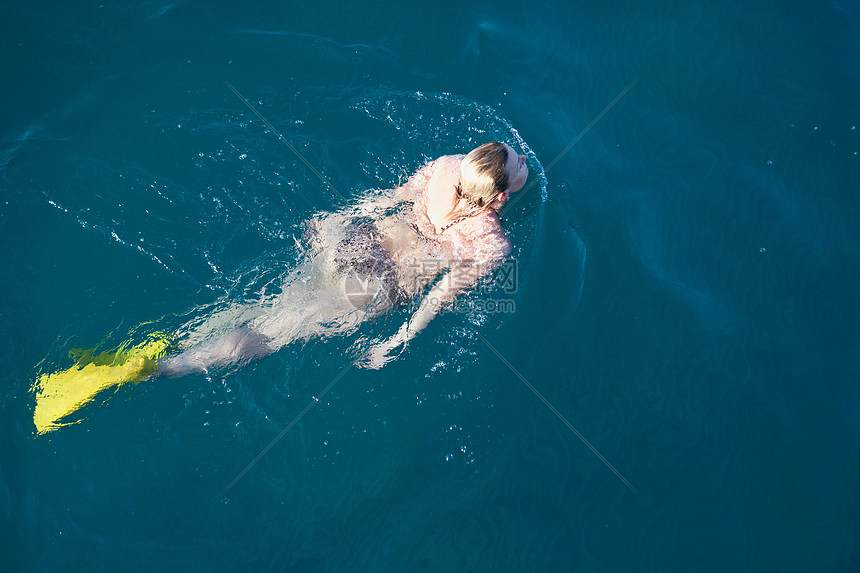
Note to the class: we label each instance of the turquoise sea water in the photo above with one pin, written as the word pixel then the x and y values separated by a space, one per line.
pixel 686 288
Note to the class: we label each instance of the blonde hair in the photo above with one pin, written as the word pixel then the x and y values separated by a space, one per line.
pixel 483 175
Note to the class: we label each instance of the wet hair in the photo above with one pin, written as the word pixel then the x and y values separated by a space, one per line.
pixel 484 174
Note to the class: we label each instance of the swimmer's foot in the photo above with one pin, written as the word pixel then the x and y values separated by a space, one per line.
pixel 181 365
pixel 139 368
pixel 60 394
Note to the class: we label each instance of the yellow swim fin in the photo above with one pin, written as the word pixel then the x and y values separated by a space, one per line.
pixel 62 393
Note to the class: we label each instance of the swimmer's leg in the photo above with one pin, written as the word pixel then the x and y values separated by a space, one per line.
pixel 234 349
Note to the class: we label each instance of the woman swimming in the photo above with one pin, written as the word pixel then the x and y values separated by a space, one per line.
pixel 366 261
pixel 388 249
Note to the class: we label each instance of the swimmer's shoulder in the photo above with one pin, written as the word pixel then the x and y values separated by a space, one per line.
pixel 448 164
pixel 446 173
pixel 434 175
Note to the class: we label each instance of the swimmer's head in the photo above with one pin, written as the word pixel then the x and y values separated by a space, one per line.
pixel 490 173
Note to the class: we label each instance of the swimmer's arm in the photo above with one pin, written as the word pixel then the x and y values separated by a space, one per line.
pixel 442 293
pixel 406 192
pixel 372 204
pixel 409 191
pixel 493 252
pixel 445 291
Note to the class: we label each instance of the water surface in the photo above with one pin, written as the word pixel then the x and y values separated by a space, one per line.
pixel 685 292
